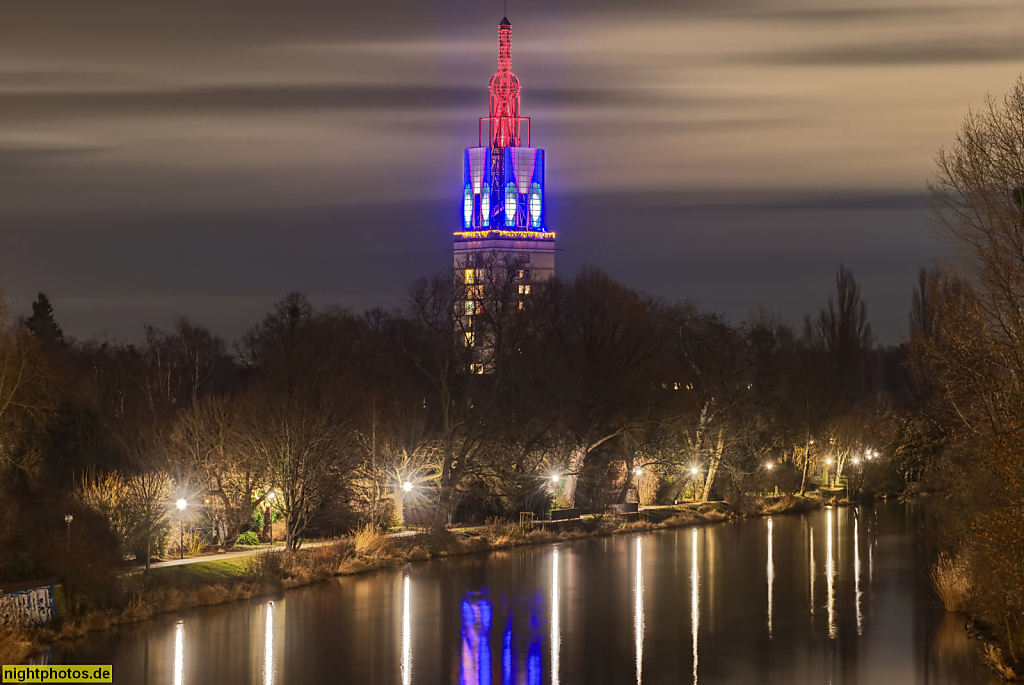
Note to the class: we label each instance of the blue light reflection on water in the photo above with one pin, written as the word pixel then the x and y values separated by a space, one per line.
pixel 521 641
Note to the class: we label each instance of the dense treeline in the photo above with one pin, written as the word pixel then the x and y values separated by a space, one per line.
pixel 967 338
pixel 591 394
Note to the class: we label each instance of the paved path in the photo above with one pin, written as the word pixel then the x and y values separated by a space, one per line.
pixel 225 555
pixel 245 553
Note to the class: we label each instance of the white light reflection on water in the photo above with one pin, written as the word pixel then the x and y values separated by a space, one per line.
pixel 771 576
pixel 556 636
pixel 694 602
pixel 871 562
pixel 811 528
pixel 856 574
pixel 179 653
pixel 406 632
pixel 268 647
pixel 638 615
pixel 830 572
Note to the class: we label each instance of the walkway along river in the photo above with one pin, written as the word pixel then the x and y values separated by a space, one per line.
pixel 838 595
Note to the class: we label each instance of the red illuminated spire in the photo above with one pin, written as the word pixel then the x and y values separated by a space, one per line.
pixel 504 88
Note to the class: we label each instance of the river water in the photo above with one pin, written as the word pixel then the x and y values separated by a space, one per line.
pixel 832 596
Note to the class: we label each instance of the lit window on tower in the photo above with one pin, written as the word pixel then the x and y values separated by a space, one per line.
pixel 470 308
pixel 467 208
pixel 511 204
pixel 469 338
pixel 470 275
pixel 524 290
pixel 485 205
pixel 535 205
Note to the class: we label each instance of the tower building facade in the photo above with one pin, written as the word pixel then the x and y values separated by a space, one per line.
pixel 503 202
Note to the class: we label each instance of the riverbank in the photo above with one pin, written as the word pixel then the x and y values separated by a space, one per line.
pixel 222 581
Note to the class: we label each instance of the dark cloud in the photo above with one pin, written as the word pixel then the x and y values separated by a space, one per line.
pixel 277 98
pixel 206 158
pixel 904 52
pixel 731 254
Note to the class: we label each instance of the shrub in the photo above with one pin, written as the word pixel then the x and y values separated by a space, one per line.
pixel 248 538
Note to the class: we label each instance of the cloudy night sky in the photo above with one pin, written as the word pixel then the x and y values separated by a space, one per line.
pixel 206 158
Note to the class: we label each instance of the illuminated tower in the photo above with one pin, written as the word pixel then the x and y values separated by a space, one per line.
pixel 503 201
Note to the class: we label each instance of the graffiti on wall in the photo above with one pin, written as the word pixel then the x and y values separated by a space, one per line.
pixel 29 608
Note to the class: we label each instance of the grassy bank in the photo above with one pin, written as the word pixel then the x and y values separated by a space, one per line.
pixel 951 578
pixel 174 588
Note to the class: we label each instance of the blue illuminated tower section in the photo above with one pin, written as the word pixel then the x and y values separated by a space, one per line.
pixel 504 206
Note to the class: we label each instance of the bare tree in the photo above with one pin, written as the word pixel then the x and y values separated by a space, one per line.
pixel 206 440
pixel 297 419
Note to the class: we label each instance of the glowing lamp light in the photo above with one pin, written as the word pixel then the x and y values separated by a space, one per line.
pixel 638 471
pixel 828 462
pixel 407 486
pixel 485 205
pixel 856 461
pixel 695 470
pixel 182 504
pixel 511 204
pixel 535 205
pixel 498 233
pixel 769 466
pixel 554 478
pixel 467 208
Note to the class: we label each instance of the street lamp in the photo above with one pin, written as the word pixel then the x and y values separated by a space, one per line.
pixel 828 463
pixel 638 471
pixel 68 518
pixel 181 527
pixel 407 486
pixel 694 470
pixel 271 496
pixel 769 465
pixel 554 477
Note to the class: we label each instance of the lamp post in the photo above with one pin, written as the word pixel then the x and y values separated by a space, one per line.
pixel 68 518
pixel 271 496
pixel 405 487
pixel 694 471
pixel 856 462
pixel 181 527
pixel 828 464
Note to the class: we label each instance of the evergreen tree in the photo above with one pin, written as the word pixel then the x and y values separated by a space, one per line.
pixel 42 324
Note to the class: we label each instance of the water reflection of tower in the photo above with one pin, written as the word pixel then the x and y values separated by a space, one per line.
pixel 504 206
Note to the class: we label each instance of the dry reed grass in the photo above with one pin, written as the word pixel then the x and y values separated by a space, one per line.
pixel 951 578
pixel 992 657
pixel 15 646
